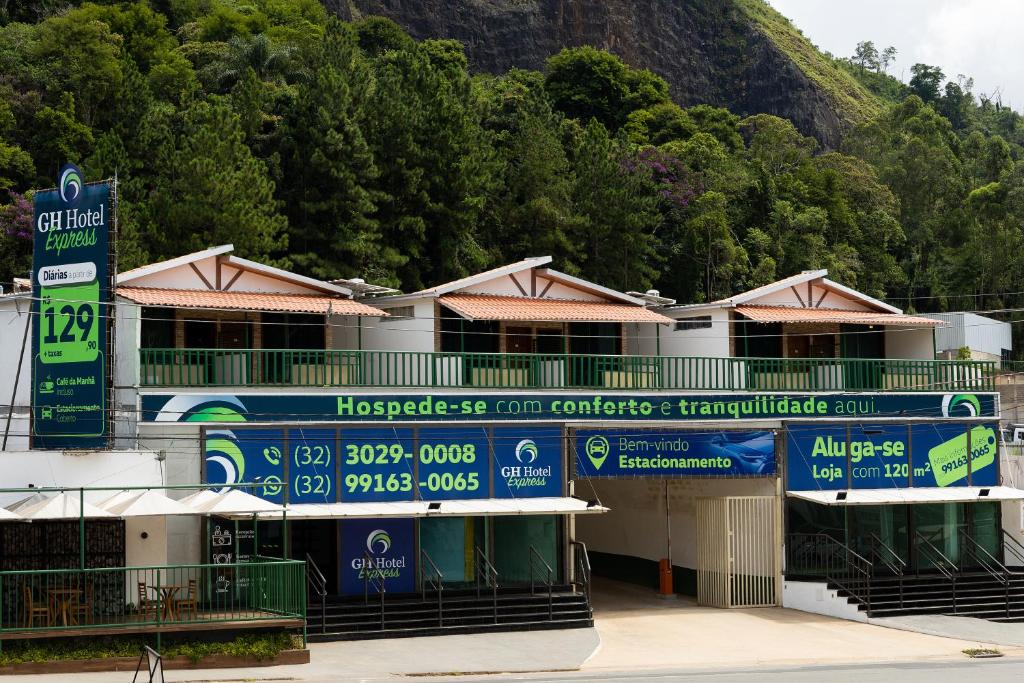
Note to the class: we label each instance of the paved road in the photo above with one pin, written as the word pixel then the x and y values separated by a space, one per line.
pixel 956 671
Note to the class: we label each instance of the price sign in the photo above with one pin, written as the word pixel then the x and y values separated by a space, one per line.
pixel 453 463
pixel 376 465
pixel 311 471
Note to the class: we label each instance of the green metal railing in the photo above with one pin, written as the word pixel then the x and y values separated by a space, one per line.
pixel 50 601
pixel 416 369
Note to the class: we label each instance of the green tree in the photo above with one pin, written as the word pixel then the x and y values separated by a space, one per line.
pixel 619 214
pixel 925 81
pixel 586 83
pixel 866 56
pixel 330 196
pixel 209 189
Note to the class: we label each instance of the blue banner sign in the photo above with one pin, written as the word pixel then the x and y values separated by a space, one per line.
pixel 871 456
pixel 527 462
pixel 455 407
pixel 674 453
pixel 326 465
pixel 70 293
pixel 375 553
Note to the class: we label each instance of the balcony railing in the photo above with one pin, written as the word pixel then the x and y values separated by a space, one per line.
pixel 52 602
pixel 432 370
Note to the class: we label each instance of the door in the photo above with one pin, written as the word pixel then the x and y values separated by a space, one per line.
pixel 513 538
pixel 319 539
pixel 449 544
pixel 879 533
pixel 936 536
pixel 862 344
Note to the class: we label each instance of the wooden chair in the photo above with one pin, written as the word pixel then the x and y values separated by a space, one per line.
pixel 83 607
pixel 146 605
pixel 190 603
pixel 32 612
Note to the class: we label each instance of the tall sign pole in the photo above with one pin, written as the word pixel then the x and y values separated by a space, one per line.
pixel 71 293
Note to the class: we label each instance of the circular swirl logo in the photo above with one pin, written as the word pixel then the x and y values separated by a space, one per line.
pixel 378 542
pixel 526 451
pixel 71 184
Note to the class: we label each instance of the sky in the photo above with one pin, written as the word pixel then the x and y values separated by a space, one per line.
pixel 979 38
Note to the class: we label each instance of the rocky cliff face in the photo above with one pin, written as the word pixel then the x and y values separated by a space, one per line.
pixel 709 51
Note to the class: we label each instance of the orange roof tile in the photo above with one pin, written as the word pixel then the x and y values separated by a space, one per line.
pixel 246 301
pixel 491 307
pixel 792 314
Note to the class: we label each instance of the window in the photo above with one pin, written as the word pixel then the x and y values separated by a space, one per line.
pixel 701 322
pixel 401 312
pixel 157 328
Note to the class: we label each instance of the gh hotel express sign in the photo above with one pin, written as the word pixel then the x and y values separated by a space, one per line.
pixel 70 289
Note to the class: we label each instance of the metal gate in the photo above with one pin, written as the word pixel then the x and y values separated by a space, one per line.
pixel 738 551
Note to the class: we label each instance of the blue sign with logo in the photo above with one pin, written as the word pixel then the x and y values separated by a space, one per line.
pixel 674 453
pixel 377 552
pixel 70 292
pixel 312 466
pixel 247 455
pixel 497 407
pixel 527 462
pixel 868 456
pixel 453 463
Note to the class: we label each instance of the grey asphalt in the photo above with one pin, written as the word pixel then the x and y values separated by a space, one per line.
pixel 962 628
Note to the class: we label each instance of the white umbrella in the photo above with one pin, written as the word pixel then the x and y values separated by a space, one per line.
pixel 117 498
pixel 147 504
pixel 6 515
pixel 62 506
pixel 199 499
pixel 234 502
pixel 27 502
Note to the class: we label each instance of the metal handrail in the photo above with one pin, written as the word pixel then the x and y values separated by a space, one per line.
pixel 315 580
pixel 373 578
pixel 583 569
pixel 489 575
pixel 939 560
pixel 840 564
pixel 437 581
pixel 996 569
pixel 893 562
pixel 432 369
pixel 1013 546
pixel 535 556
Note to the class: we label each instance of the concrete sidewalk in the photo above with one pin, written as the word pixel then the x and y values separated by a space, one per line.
pixel 964 628
pixel 641 631
pixel 636 631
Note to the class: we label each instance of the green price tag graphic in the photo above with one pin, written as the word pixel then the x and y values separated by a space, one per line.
pixel 949 459
pixel 69 324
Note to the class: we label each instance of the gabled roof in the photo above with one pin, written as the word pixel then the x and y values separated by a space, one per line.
pixel 588 286
pixel 462 283
pixel 161 266
pixel 129 276
pixel 816 277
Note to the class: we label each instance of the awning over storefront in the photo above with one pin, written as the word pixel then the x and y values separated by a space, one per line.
pixel 958 494
pixel 793 314
pixel 488 507
pixel 534 309
pixel 247 301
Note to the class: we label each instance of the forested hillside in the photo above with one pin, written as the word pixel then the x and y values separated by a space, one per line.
pixel 345 149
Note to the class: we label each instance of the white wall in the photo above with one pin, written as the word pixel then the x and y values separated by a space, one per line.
pixel 818 598
pixel 149 551
pixel 402 334
pixel 906 342
pixel 713 342
pixel 22 469
pixel 636 525
pixel 180 443
pixel 14 315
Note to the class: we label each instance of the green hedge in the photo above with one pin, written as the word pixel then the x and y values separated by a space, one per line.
pixel 260 646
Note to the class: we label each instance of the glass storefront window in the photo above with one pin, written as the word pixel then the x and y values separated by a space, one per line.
pixel 513 537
